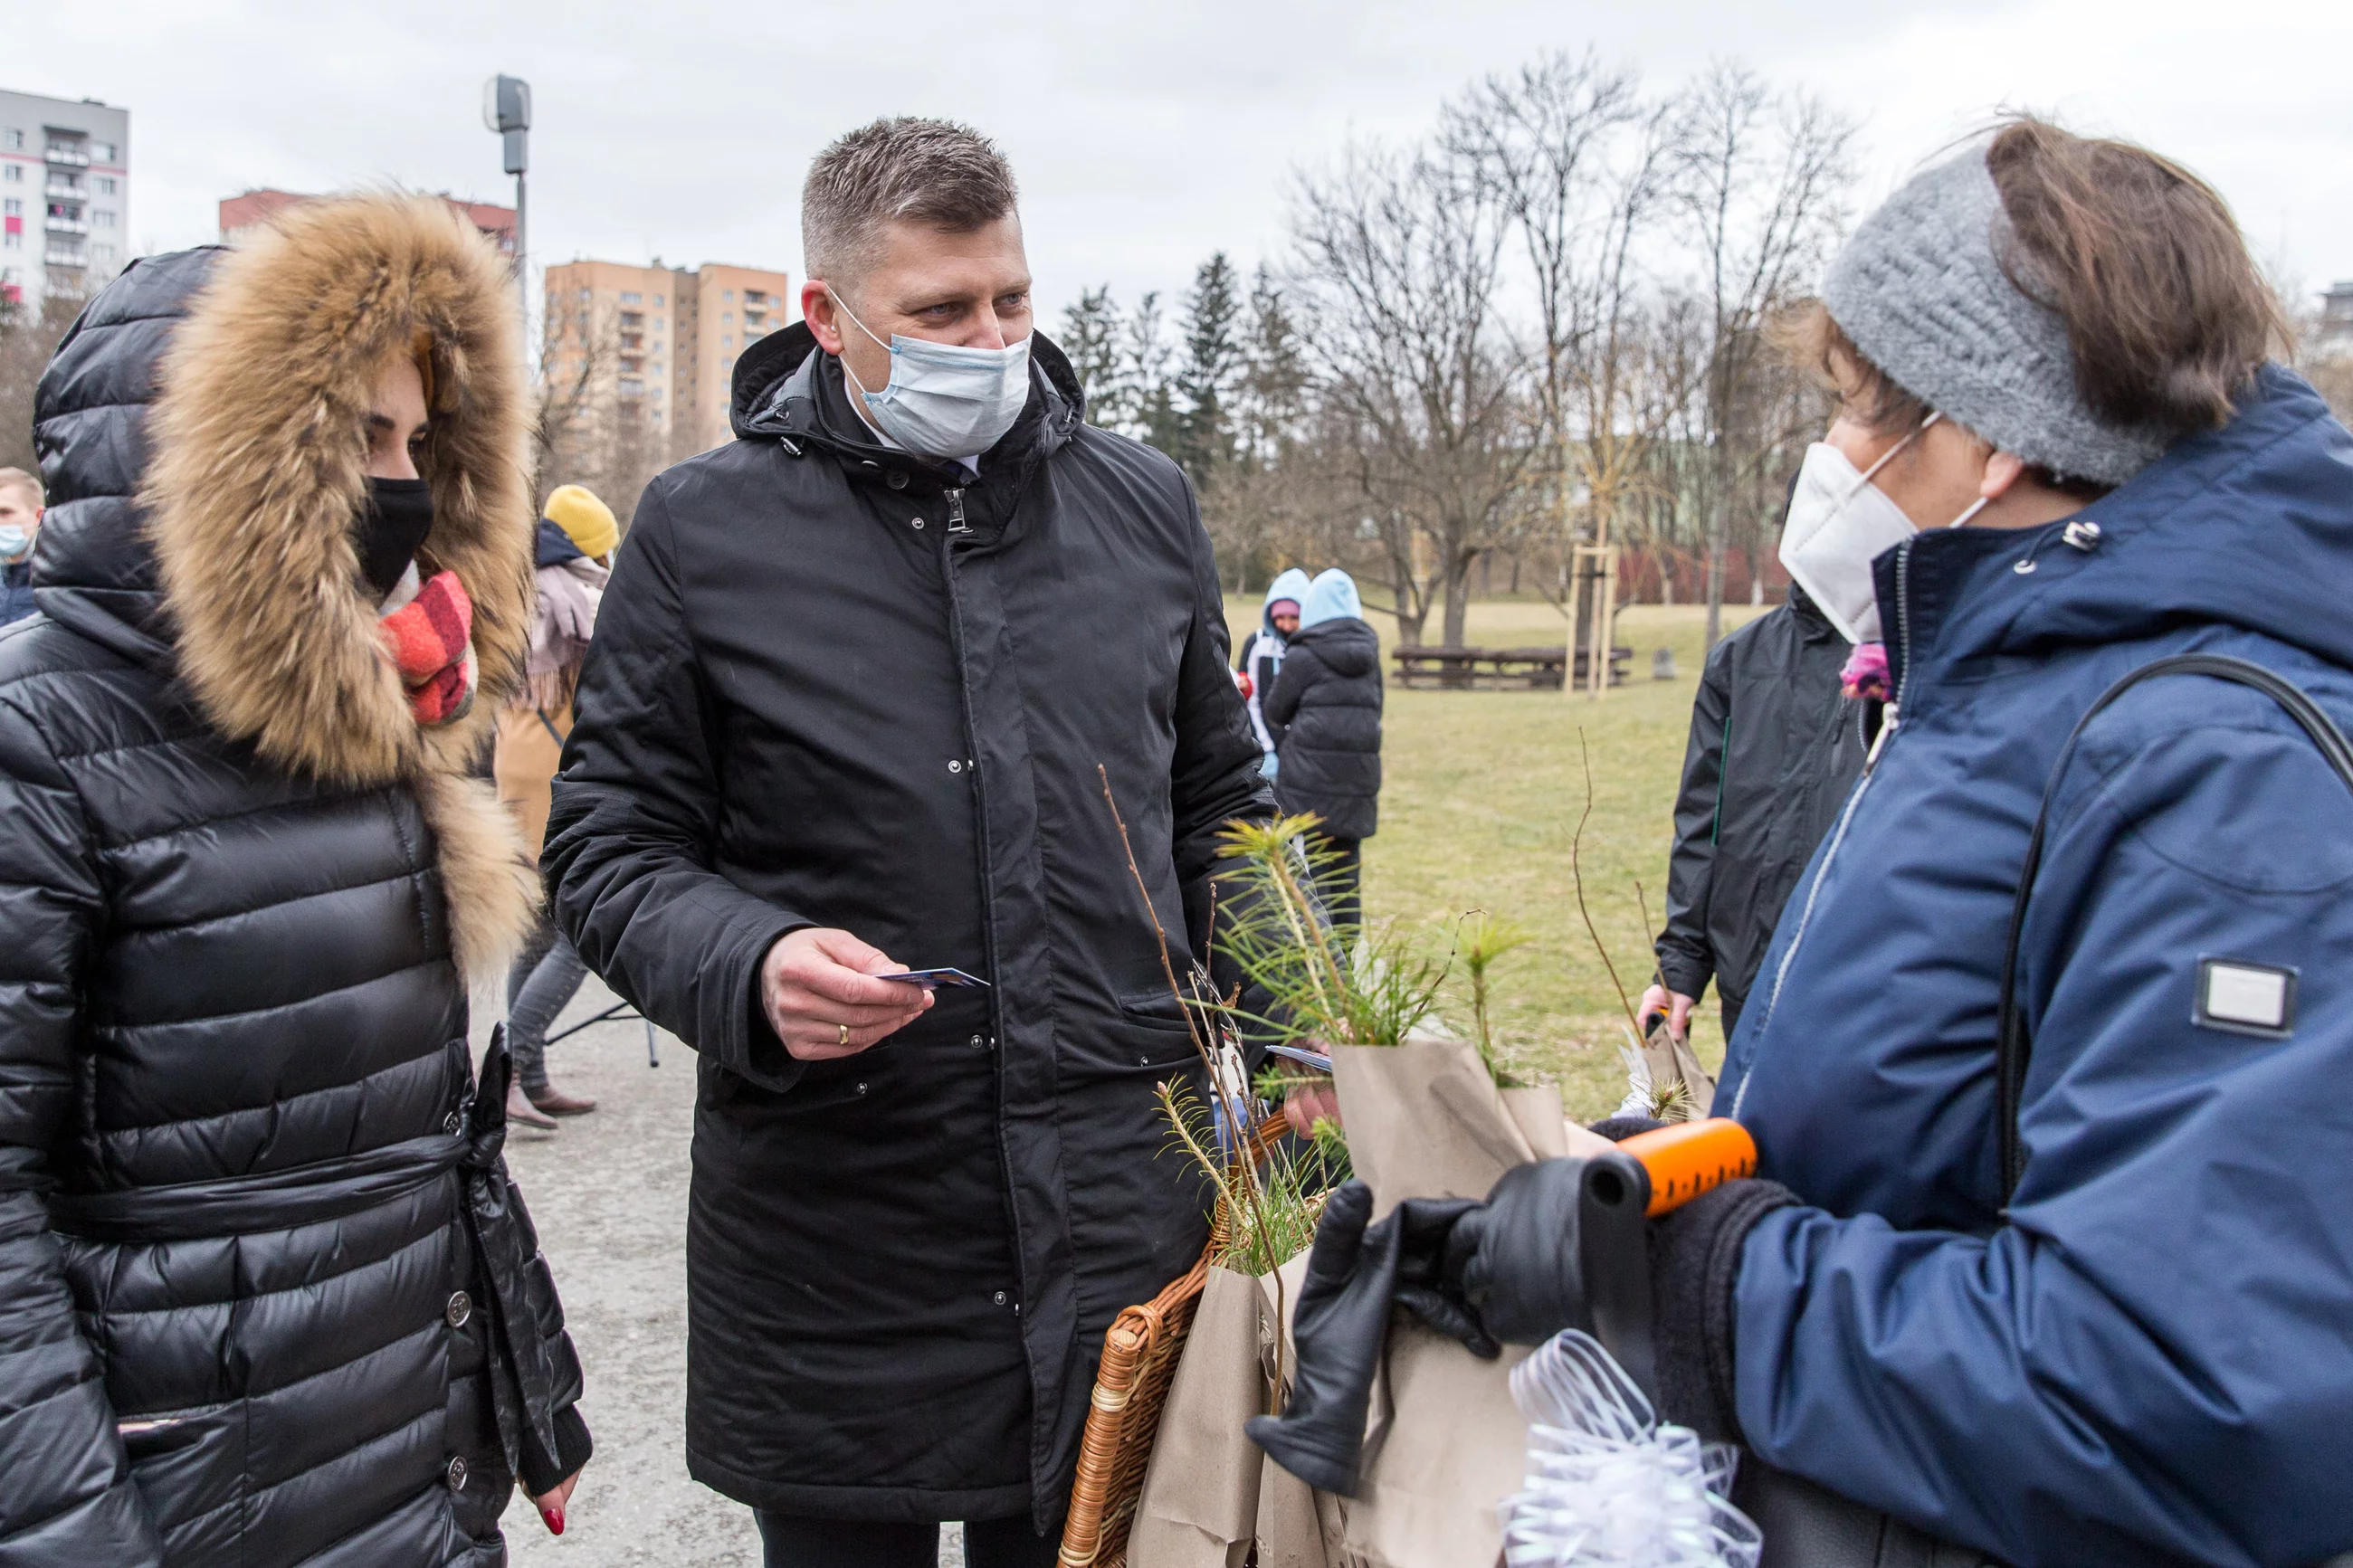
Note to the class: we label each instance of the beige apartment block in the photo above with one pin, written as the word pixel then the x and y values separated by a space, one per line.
pixel 656 345
pixel 738 306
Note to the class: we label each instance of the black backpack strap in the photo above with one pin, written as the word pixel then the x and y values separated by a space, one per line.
pixel 2011 1033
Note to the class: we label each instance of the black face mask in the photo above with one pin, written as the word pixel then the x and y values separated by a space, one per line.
pixel 392 522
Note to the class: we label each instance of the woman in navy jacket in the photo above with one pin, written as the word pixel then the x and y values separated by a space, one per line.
pixel 2097 1313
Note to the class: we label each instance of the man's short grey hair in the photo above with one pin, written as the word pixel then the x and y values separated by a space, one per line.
pixel 904 170
pixel 20 480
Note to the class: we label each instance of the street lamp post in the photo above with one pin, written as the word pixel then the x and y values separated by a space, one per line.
pixel 506 108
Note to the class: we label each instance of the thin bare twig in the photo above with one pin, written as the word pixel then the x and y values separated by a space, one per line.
pixel 1576 870
pixel 1245 1135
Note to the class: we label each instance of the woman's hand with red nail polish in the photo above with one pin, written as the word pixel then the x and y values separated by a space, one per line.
pixel 551 1503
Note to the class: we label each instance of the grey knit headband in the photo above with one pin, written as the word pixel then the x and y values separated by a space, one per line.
pixel 1921 291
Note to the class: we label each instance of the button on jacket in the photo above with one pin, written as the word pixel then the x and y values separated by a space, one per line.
pixel 834 685
pixel 248 1206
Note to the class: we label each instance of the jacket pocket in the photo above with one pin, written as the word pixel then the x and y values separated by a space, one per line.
pixel 1146 1039
pixel 1155 1010
pixel 187 1462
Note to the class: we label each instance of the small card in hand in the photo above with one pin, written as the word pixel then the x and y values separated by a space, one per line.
pixel 930 978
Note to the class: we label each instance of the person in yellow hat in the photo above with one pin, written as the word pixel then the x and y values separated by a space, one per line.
pixel 578 536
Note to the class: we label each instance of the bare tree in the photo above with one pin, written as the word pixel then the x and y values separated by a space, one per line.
pixel 1420 390
pixel 593 421
pixel 1761 183
pixel 1578 158
pixel 28 340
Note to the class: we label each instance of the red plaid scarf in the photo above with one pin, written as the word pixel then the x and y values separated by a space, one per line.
pixel 429 639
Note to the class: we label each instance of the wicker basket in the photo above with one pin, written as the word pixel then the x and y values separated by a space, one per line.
pixel 1139 1360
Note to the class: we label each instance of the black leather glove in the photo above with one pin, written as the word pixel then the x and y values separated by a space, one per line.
pixel 1559 1244
pixel 1354 1275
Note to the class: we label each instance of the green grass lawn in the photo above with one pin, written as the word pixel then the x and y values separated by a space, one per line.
pixel 1481 796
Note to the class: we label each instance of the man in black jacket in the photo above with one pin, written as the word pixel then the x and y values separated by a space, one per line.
pixel 853 682
pixel 1775 746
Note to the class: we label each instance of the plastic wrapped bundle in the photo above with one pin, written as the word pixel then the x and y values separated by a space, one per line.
pixel 1607 1486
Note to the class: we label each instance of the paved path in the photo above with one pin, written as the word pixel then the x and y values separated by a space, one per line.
pixel 608 1195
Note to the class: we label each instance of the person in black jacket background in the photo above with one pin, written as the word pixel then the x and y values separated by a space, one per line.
pixel 1775 746
pixel 1325 716
pixel 267 1296
pixel 861 682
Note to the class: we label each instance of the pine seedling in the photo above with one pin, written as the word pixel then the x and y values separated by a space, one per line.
pixel 1321 983
pixel 1480 939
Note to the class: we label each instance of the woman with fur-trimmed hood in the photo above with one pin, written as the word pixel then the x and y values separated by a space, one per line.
pixel 266 1295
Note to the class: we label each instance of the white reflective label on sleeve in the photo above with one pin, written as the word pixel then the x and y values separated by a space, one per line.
pixel 2247 998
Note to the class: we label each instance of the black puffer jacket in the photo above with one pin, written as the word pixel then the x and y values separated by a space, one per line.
pixel 266 1293
pixel 1774 750
pixel 828 690
pixel 1326 715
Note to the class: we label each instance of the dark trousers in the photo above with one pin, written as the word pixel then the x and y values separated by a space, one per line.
pixel 791 1542
pixel 542 979
pixel 1339 878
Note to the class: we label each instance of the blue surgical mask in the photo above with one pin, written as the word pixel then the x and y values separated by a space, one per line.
pixel 14 543
pixel 945 401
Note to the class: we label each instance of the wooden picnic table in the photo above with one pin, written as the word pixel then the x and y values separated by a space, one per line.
pixel 1498 669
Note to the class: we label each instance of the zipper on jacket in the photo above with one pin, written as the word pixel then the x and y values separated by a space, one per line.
pixel 1892 718
pixel 957 524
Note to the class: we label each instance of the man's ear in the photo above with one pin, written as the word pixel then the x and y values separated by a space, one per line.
pixel 2001 472
pixel 816 310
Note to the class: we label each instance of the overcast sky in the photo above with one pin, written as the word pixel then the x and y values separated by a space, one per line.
pixel 1144 136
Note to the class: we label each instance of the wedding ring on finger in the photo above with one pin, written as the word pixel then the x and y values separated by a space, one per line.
pixel 845 1034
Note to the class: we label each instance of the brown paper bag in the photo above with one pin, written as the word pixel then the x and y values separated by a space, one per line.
pixel 1536 1112
pixel 1454 1447
pixel 1424 1120
pixel 1669 1061
pixel 1446 1442
pixel 1200 1502
pixel 1297 1526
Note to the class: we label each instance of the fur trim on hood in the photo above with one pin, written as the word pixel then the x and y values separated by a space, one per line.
pixel 260 450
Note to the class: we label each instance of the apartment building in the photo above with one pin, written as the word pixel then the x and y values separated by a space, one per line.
pixel 65 196
pixel 658 343
pixel 251 209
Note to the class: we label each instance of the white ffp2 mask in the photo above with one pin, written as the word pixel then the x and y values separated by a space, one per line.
pixel 1839 523
pixel 944 400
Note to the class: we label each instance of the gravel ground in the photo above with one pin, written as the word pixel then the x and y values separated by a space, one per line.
pixel 608 1195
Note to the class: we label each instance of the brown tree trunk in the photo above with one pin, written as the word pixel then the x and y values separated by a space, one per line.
pixel 1457 602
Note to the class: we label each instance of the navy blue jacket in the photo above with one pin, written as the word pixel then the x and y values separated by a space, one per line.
pixel 16 590
pixel 2149 1357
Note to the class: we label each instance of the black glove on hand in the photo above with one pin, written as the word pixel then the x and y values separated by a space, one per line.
pixel 1557 1245
pixel 1341 1320
pixel 1429 1271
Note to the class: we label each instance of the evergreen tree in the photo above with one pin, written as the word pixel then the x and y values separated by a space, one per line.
pixel 1213 365
pixel 1153 417
pixel 1091 337
pixel 1272 408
